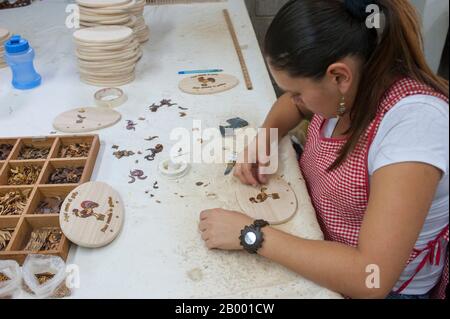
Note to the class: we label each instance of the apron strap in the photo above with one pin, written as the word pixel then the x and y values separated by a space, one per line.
pixel 433 256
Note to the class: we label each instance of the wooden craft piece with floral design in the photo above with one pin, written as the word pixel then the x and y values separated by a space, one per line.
pixel 92 215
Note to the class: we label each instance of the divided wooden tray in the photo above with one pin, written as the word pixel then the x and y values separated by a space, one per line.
pixel 27 221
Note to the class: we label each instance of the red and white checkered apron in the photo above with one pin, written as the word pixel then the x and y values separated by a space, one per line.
pixel 340 197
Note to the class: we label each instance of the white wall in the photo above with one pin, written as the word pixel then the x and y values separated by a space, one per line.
pixel 435 15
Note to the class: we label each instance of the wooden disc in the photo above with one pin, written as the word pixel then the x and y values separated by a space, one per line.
pixel 101 3
pixel 131 59
pixel 275 211
pixel 108 74
pixel 105 20
pixel 103 34
pixel 208 83
pixel 94 48
pixel 86 119
pixel 125 8
pixel 92 215
pixel 103 57
pixel 108 82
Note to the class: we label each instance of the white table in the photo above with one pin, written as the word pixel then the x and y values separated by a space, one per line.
pixel 159 246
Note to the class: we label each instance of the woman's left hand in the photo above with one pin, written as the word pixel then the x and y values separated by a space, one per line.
pixel 221 228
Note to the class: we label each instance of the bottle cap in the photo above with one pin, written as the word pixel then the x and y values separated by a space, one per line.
pixel 16 44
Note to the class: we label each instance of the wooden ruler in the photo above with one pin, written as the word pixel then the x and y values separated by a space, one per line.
pixel 237 46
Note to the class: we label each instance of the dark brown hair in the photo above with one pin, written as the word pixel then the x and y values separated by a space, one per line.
pixel 307 36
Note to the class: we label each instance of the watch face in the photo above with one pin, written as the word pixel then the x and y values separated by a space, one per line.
pixel 250 238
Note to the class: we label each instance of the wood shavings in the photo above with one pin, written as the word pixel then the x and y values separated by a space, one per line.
pixel 153 108
pixel 183 108
pixel 44 239
pixel 49 205
pixel 199 183
pixel 44 277
pixel 131 125
pixel 59 292
pixel 31 152
pixel 263 196
pixel 182 114
pixel 123 153
pixel 5 237
pixel 13 203
pixel 137 173
pixel 5 150
pixel 3 277
pixel 24 175
pixel 66 175
pixel 151 138
pixel 164 102
pixel 167 102
pixel 75 150
pixel 158 149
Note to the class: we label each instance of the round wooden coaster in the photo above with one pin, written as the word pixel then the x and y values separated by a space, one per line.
pixel 107 57
pixel 103 34
pixel 92 215
pixel 275 202
pixel 85 119
pixel 107 49
pixel 126 8
pixel 105 19
pixel 101 3
pixel 111 63
pixel 208 83
pixel 94 53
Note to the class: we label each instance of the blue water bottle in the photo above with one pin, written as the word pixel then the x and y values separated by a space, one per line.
pixel 19 56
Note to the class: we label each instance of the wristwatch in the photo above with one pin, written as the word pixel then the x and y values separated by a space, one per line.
pixel 252 237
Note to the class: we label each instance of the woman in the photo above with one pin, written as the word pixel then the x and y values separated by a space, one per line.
pixel 376 158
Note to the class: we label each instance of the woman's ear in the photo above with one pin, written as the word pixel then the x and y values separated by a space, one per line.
pixel 340 74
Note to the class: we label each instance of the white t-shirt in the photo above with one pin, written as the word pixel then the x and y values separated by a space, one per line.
pixel 416 130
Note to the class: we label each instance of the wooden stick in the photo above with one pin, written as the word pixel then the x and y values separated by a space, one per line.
pixel 244 68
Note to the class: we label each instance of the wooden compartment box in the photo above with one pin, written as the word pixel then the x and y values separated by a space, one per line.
pixel 33 196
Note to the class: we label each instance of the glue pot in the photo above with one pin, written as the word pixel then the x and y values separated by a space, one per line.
pixel 19 56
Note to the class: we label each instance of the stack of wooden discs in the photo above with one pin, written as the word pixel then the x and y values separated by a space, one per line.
pixel 140 28
pixel 4 36
pixel 107 55
pixel 114 12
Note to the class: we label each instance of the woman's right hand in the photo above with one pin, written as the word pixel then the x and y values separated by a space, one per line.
pixel 248 168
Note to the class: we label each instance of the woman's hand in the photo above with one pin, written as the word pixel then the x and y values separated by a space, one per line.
pixel 248 167
pixel 221 228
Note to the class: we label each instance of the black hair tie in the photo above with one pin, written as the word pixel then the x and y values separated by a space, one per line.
pixel 357 8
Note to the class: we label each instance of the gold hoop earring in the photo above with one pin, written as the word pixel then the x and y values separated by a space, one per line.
pixel 342 108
